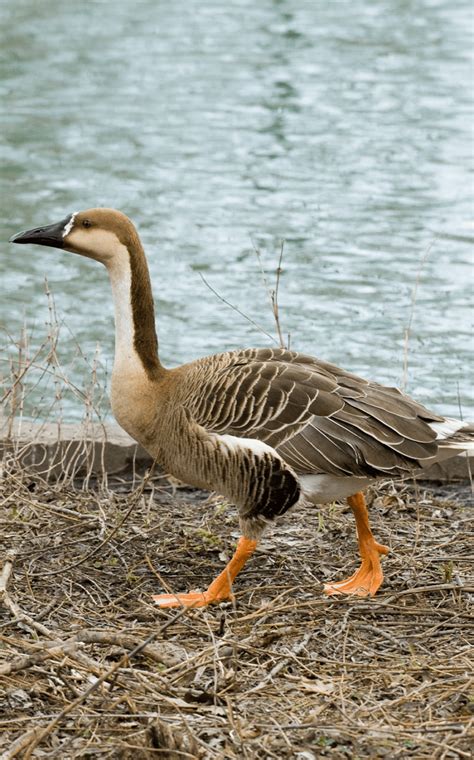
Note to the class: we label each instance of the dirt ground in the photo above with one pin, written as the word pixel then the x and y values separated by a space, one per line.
pixel 90 668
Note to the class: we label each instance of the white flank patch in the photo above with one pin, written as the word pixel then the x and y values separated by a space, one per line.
pixel 258 447
pixel 447 428
pixel 69 225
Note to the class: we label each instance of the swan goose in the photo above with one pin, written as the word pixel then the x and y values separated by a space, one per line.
pixel 264 427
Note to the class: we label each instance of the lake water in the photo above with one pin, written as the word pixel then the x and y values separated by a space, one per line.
pixel 341 128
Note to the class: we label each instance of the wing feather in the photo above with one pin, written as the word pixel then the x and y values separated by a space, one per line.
pixel 318 416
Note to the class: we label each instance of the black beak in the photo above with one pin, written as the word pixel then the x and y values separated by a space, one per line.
pixel 51 235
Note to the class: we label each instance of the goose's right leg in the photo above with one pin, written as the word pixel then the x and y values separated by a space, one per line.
pixel 368 578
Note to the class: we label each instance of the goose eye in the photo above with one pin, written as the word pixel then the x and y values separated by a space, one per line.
pixel 86 223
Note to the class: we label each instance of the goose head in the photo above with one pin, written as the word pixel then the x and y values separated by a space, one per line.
pixel 97 233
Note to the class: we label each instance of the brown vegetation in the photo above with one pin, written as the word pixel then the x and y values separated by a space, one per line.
pixel 90 668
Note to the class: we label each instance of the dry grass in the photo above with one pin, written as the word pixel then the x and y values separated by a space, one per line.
pixel 90 668
pixel 35 385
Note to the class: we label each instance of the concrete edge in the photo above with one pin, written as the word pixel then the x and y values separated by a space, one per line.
pixel 52 449
pixel 91 448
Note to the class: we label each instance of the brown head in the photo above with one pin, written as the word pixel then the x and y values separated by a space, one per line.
pixel 108 236
pixel 96 233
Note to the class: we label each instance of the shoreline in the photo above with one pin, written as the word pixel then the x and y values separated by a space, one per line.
pixel 96 448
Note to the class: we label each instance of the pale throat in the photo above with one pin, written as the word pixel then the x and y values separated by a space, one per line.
pixel 121 281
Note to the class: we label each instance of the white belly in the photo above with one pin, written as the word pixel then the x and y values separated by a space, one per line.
pixel 321 489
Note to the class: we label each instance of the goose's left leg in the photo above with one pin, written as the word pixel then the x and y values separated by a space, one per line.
pixel 367 579
pixel 220 589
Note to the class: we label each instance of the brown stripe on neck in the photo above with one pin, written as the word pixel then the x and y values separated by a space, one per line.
pixel 145 340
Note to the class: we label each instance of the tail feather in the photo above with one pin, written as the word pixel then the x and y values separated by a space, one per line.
pixel 454 437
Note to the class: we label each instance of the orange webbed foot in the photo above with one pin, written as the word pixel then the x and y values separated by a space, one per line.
pixel 193 599
pixel 367 579
pixel 220 590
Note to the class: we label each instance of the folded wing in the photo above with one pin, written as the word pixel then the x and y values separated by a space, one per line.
pixel 319 417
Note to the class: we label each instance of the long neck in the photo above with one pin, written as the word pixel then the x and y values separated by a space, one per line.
pixel 135 333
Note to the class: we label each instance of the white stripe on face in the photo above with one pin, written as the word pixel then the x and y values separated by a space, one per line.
pixel 69 225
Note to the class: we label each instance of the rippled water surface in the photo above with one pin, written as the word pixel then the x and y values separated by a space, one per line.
pixel 342 128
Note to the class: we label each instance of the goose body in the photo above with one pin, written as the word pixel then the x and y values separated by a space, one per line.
pixel 264 427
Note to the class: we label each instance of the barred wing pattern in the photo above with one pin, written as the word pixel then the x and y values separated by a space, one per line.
pixel 320 418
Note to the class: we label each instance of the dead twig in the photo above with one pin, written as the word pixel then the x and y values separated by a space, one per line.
pixel 6 571
pixel 236 309
pixel 408 328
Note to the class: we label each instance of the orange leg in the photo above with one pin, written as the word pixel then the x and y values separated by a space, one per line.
pixel 220 589
pixel 367 579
